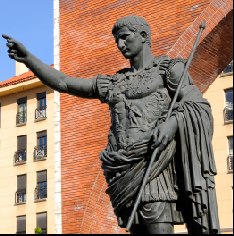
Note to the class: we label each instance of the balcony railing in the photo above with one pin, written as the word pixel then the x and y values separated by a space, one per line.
pixel 40 152
pixel 230 163
pixel 41 191
pixel 21 118
pixel 228 114
pixel 20 196
pixel 40 113
pixel 20 157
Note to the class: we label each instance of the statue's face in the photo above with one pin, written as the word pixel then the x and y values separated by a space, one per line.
pixel 129 43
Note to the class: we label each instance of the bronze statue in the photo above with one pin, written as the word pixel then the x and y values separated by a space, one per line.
pixel 179 190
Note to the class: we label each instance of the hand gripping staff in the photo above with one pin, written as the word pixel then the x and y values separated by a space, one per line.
pixel 165 162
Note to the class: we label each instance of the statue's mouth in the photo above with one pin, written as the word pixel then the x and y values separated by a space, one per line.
pixel 124 51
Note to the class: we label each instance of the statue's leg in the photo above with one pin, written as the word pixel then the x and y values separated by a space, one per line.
pixel 138 229
pixel 194 228
pixel 160 228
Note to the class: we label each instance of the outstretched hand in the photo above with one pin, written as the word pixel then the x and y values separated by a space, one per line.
pixel 17 50
pixel 164 133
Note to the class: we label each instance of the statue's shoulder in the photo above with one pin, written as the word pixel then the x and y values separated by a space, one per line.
pixel 161 63
pixel 161 59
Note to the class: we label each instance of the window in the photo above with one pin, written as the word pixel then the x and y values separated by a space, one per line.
pixel 228 111
pixel 42 221
pixel 21 225
pixel 229 68
pixel 21 153
pixel 41 188
pixel 20 196
pixel 21 116
pixel 40 112
pixel 40 151
pixel 230 154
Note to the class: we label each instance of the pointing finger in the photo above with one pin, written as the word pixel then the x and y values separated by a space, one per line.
pixel 5 36
pixel 8 38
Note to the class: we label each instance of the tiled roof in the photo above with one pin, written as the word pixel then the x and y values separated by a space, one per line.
pixel 18 79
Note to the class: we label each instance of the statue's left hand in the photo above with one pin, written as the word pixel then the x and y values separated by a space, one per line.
pixel 164 133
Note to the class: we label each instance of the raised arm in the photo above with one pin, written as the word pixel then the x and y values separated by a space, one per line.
pixel 50 76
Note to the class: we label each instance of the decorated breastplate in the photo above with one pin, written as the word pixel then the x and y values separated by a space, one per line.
pixel 137 102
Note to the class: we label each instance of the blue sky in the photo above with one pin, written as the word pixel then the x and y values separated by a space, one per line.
pixel 30 22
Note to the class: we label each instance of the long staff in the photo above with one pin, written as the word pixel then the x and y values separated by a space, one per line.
pixel 155 152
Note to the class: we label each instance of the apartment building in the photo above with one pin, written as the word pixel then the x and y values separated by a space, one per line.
pixel 220 96
pixel 27 189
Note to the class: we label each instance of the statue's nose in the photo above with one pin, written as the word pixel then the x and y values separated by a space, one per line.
pixel 121 44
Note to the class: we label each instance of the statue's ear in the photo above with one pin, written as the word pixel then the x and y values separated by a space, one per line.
pixel 144 36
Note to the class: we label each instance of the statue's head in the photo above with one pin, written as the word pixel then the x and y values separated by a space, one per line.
pixel 134 24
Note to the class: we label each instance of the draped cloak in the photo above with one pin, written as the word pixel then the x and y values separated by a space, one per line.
pixel 196 159
pixel 186 166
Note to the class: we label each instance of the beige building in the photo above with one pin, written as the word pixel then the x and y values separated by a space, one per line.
pixel 220 96
pixel 27 166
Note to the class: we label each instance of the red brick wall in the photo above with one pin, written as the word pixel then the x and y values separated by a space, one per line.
pixel 88 49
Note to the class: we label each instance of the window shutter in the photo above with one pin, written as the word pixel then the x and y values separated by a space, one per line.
pixel 21 224
pixel 42 220
pixel 21 100
pixel 41 176
pixel 41 95
pixel 21 142
pixel 21 182
pixel 41 134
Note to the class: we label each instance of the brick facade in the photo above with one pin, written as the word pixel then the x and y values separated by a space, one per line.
pixel 87 48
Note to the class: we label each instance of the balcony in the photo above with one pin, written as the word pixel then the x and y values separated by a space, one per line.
pixel 21 118
pixel 40 113
pixel 41 191
pixel 228 114
pixel 20 196
pixel 20 157
pixel 40 153
pixel 230 163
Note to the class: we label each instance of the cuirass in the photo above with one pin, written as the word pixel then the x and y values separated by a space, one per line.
pixel 137 102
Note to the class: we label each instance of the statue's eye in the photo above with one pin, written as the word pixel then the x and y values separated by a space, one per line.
pixel 125 36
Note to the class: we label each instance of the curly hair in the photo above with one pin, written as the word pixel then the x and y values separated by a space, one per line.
pixel 134 24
